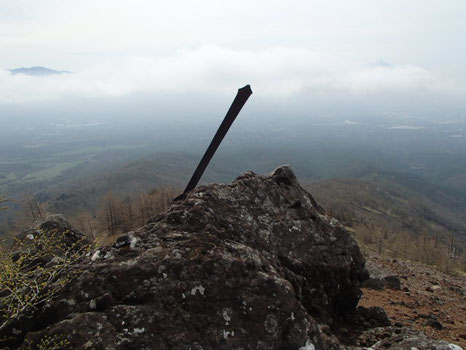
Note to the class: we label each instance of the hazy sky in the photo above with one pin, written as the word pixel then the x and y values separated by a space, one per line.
pixel 282 48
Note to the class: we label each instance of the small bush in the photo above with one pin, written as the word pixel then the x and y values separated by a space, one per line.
pixel 35 272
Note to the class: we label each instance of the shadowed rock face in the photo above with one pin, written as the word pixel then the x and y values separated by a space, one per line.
pixel 255 264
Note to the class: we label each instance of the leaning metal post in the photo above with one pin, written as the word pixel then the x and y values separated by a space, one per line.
pixel 238 103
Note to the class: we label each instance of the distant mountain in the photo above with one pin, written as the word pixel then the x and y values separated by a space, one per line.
pixel 37 71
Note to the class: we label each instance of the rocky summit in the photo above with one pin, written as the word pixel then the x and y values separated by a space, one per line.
pixel 255 264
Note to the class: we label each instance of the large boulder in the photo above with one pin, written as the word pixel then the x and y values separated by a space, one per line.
pixel 255 264
pixel 380 279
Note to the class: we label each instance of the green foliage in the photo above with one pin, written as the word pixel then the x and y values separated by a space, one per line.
pixel 41 267
pixel 56 342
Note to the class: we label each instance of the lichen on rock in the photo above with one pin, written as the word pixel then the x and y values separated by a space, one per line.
pixel 255 264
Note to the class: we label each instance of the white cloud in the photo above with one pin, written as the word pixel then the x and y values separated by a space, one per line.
pixel 405 78
pixel 275 72
pixel 282 48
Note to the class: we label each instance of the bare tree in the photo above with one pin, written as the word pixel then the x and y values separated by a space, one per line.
pixel 3 199
pixel 110 210
pixel 84 221
pixel 33 208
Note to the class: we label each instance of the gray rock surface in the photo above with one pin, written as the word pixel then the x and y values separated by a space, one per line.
pixel 255 264
pixel 405 339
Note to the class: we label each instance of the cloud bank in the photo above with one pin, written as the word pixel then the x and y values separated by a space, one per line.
pixel 274 73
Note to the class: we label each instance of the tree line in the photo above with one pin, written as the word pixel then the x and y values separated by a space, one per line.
pixel 436 248
pixel 114 215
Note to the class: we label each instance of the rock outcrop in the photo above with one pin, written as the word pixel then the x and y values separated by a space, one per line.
pixel 255 264
pixel 56 224
pixel 380 279
pixel 48 239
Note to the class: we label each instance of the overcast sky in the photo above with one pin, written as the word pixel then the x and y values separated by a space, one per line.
pixel 282 48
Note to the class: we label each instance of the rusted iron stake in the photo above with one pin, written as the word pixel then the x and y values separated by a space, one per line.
pixel 238 103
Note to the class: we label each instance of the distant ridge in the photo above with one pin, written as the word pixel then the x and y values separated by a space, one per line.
pixel 37 71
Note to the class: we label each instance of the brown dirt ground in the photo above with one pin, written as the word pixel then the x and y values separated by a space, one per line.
pixel 424 291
